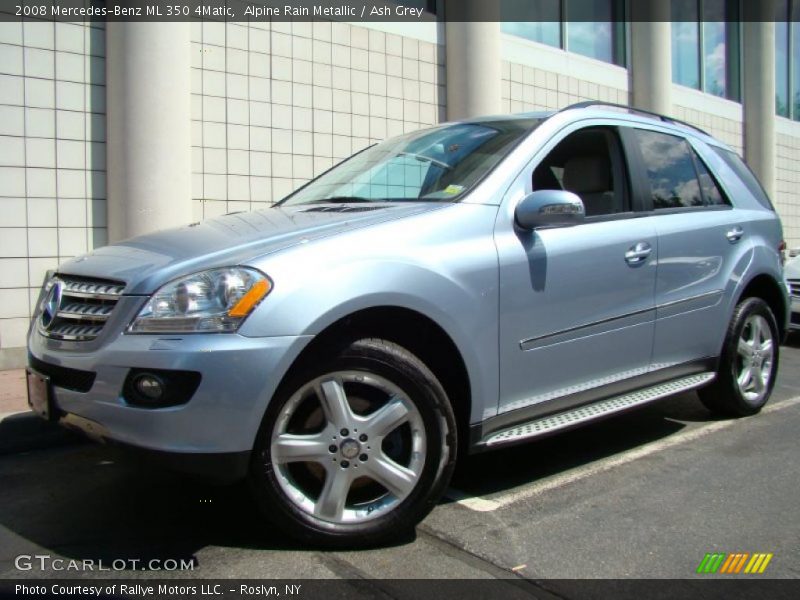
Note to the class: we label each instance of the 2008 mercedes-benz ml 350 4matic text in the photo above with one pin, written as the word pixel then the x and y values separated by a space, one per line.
pixel 465 287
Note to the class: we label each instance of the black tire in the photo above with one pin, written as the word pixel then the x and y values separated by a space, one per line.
pixel 724 396
pixel 383 361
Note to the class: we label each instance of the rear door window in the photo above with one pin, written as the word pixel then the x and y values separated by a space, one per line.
pixel 676 176
pixel 670 169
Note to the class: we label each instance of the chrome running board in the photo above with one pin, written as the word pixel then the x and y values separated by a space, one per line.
pixel 596 410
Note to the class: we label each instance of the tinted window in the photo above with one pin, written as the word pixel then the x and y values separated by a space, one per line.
pixel 712 195
pixel 746 175
pixel 589 164
pixel 670 170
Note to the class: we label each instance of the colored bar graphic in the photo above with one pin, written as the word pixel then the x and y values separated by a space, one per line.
pixel 740 564
pixel 725 563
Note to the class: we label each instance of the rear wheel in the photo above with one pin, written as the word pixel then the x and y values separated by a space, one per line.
pixel 749 362
pixel 356 449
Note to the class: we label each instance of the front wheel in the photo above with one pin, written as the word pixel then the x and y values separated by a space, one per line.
pixel 749 362
pixel 355 449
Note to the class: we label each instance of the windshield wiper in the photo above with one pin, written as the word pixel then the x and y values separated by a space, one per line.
pixel 423 158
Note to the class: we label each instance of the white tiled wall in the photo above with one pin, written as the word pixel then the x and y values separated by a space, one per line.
pixel 527 88
pixel 52 157
pixel 787 175
pixel 726 129
pixel 273 105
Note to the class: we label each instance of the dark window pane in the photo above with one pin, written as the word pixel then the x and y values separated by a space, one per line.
pixel 543 31
pixel 670 170
pixel 715 31
pixel 591 29
pixel 685 43
pixel 711 192
pixel 782 64
pixel 795 60
pixel 536 21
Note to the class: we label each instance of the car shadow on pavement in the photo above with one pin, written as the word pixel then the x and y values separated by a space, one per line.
pixel 90 502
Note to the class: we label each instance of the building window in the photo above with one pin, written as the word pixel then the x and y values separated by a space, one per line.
pixel 787 59
pixel 593 29
pixel 705 46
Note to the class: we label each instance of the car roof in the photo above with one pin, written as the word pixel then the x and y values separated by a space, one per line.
pixel 605 109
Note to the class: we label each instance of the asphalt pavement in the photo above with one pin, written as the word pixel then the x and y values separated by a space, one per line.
pixel 643 495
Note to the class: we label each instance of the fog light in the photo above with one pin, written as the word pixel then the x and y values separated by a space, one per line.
pixel 149 386
pixel 159 388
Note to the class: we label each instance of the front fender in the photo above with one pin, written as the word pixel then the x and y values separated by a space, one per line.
pixel 463 304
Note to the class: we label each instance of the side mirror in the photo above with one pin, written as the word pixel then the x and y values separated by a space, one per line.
pixel 549 208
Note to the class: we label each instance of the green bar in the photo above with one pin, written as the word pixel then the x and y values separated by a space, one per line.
pixel 713 568
pixel 702 566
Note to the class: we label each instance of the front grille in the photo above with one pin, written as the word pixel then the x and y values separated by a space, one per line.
pixel 794 287
pixel 63 377
pixel 77 308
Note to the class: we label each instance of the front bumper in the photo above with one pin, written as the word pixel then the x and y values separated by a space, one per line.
pixel 239 377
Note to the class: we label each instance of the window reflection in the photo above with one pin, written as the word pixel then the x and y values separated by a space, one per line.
pixel 685 43
pixel 536 21
pixel 782 66
pixel 795 61
pixel 594 29
pixel 670 169
pixel 705 46
pixel 589 29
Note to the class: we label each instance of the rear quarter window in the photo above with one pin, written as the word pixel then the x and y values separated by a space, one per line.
pixel 746 176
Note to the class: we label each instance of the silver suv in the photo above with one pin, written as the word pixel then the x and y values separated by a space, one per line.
pixel 457 289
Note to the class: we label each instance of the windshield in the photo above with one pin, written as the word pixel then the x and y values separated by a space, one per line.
pixel 438 164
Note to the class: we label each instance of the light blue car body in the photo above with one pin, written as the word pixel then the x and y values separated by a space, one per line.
pixel 536 316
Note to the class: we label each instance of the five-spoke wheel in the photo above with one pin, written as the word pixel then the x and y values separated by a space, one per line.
pixel 355 448
pixel 748 363
pixel 364 433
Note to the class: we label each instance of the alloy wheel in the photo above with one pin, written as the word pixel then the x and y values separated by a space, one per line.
pixel 348 447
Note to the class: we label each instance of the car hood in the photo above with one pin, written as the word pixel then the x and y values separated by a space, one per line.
pixel 146 262
pixel 792 269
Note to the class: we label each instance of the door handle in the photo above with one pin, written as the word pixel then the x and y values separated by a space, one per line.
pixel 734 234
pixel 637 254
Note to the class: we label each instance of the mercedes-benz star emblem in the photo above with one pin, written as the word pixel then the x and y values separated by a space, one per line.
pixel 51 305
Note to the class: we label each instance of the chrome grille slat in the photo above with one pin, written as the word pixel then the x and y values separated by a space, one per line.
pixel 794 287
pixel 84 307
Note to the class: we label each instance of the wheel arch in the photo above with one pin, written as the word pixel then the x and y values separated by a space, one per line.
pixel 765 286
pixel 417 333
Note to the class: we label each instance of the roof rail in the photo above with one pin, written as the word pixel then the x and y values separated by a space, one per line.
pixel 633 109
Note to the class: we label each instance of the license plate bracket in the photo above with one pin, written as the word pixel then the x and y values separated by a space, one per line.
pixel 40 394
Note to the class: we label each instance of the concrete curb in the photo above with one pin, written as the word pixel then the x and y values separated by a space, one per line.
pixel 26 431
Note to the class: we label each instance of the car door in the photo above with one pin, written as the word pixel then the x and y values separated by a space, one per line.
pixel 703 248
pixel 576 303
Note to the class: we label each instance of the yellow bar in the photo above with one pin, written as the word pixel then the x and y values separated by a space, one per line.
pixel 752 563
pixel 767 558
pixel 757 564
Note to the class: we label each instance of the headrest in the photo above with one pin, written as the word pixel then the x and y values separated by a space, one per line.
pixel 587 174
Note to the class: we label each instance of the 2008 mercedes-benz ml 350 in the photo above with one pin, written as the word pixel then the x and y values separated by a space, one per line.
pixel 456 289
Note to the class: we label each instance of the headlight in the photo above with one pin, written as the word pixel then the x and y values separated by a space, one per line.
pixel 211 301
